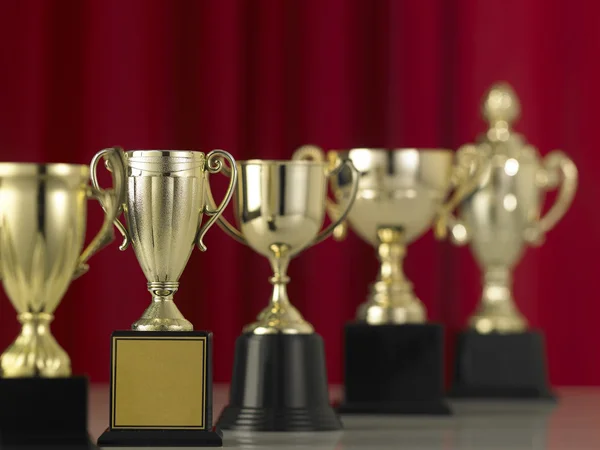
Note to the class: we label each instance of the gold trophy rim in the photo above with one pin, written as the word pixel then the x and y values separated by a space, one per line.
pixel 191 154
pixel 280 162
pixel 12 169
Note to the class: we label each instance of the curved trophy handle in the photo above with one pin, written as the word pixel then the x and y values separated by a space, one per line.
pixel 341 217
pixel 214 164
pixel 335 211
pixel 466 178
pixel 556 163
pixel 110 200
pixel 107 155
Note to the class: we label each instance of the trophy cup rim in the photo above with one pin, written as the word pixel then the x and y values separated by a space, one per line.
pixel 394 150
pixel 24 169
pixel 192 154
pixel 281 162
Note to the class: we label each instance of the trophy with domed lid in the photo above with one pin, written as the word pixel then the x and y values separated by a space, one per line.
pixel 499 356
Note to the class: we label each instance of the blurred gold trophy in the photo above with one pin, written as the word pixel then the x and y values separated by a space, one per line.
pixel 161 372
pixel 42 230
pixel 401 194
pixel 280 207
pixel 499 356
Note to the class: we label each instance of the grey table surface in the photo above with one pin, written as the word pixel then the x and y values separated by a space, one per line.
pixel 573 423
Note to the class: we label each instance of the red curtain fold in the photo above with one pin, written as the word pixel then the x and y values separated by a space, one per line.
pixel 259 78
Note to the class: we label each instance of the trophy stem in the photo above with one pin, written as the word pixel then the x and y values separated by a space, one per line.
pixel 497 311
pixel 35 352
pixel 280 316
pixel 162 314
pixel 391 300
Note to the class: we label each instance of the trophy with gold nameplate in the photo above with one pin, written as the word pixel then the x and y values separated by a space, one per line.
pixel 161 369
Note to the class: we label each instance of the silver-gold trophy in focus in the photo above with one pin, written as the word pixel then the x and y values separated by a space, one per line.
pixel 161 369
pixel 43 216
pixel 499 355
pixel 393 355
pixel 280 207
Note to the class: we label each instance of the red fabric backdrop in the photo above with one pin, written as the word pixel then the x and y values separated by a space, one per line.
pixel 260 77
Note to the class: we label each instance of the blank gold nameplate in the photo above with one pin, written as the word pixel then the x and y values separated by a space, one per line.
pixel 159 380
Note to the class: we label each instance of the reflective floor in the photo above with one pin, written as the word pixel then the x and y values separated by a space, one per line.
pixel 573 423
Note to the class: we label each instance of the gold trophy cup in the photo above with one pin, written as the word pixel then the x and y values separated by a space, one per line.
pixel 499 220
pixel 161 371
pixel 401 194
pixel 280 207
pixel 43 210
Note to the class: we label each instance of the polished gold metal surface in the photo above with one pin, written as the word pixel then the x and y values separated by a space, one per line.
pixel 401 193
pixel 280 208
pixel 165 201
pixel 505 212
pixel 42 231
pixel 144 368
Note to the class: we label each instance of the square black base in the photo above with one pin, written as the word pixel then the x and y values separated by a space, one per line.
pixel 161 438
pixel 44 413
pixel 394 369
pixel 501 366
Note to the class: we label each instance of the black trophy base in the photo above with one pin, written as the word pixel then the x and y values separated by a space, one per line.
pixel 394 369
pixel 44 413
pixel 161 438
pixel 501 366
pixel 279 383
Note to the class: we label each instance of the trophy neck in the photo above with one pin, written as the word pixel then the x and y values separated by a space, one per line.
pixel 497 312
pixel 280 316
pixel 35 352
pixel 392 300
pixel 162 314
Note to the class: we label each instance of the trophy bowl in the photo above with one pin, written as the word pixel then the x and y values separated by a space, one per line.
pixel 42 230
pixel 401 194
pixel 164 205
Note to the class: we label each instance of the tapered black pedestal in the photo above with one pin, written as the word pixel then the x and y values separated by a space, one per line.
pixel 44 413
pixel 511 366
pixel 394 369
pixel 279 383
pixel 161 390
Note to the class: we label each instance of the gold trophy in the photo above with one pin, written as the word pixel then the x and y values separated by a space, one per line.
pixel 280 207
pixel 401 194
pixel 161 371
pixel 42 230
pixel 499 356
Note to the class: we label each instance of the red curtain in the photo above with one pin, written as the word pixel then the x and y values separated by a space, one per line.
pixel 259 78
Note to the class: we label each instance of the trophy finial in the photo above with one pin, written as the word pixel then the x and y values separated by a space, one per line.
pixel 500 108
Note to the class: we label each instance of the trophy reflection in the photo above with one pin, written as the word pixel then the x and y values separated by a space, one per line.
pixel 42 230
pixel 280 207
pixel 401 194
pixel 161 371
pixel 499 220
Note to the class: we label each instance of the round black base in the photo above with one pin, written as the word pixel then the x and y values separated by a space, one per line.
pixel 281 419
pixel 279 383
pixel 420 407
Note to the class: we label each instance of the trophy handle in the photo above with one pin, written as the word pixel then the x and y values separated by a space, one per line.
pixel 110 200
pixel 466 177
pixel 338 214
pixel 107 154
pixel 214 164
pixel 335 211
pixel 557 162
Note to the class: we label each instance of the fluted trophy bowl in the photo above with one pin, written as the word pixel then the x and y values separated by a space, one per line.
pixel 505 213
pixel 401 194
pixel 165 201
pixel 280 207
pixel 43 210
